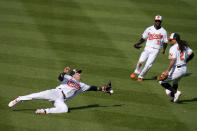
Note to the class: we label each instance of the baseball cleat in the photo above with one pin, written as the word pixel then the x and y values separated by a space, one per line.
pixel 40 111
pixel 176 96
pixel 133 75
pixel 168 93
pixel 12 103
pixel 140 79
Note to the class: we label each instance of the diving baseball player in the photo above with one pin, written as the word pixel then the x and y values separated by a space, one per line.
pixel 179 55
pixel 70 86
pixel 156 37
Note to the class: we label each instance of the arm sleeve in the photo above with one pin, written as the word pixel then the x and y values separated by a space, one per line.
pixel 189 51
pixel 165 38
pixel 145 34
pixel 84 87
pixel 190 54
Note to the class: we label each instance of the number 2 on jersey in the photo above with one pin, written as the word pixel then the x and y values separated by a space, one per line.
pixel 181 56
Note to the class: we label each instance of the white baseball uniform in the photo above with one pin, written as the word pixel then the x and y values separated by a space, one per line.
pixel 154 40
pixel 66 90
pixel 179 68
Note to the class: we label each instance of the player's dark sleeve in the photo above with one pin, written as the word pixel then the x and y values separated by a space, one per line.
pixel 94 88
pixel 165 45
pixel 138 44
pixel 190 57
pixel 61 76
pixel 141 41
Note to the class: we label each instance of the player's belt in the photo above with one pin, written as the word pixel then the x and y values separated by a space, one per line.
pixel 179 66
pixel 64 96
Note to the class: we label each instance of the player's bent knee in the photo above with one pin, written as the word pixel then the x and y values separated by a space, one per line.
pixel 64 109
pixel 140 63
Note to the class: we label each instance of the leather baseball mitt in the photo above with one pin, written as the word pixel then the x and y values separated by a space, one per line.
pixel 107 88
pixel 137 46
pixel 163 76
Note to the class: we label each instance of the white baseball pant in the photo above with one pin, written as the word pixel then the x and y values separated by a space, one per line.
pixel 175 74
pixel 148 55
pixel 54 95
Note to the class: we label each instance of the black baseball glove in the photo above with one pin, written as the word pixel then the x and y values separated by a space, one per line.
pixel 137 46
pixel 107 88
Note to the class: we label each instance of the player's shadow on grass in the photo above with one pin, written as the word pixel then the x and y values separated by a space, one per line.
pixel 91 106
pixel 24 109
pixel 155 77
pixel 188 74
pixel 186 101
pixel 74 108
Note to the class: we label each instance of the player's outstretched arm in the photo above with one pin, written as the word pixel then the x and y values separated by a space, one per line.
pixel 106 88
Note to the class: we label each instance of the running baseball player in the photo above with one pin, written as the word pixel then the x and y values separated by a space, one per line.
pixel 156 37
pixel 179 55
pixel 70 86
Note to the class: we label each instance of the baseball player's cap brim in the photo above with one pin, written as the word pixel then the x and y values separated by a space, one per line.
pixel 79 71
pixel 172 36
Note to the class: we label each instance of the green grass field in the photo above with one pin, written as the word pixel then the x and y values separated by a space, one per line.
pixel 38 38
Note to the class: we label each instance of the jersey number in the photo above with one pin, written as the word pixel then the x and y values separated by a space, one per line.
pixel 181 56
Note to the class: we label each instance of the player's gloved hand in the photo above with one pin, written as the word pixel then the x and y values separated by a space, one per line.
pixel 107 88
pixel 137 46
pixel 163 76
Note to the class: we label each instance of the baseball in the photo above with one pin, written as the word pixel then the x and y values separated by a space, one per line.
pixel 111 91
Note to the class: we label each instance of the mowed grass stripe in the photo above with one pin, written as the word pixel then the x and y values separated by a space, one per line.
pixel 128 5
pixel 81 32
pixel 102 14
pixel 118 106
pixel 77 62
pixel 114 118
pixel 68 41
pixel 65 123
pixel 102 18
pixel 70 48
pixel 51 26
pixel 45 53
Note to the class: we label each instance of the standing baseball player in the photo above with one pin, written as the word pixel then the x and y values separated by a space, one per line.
pixel 70 86
pixel 156 37
pixel 179 55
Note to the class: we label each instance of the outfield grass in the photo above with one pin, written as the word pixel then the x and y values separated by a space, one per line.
pixel 38 38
